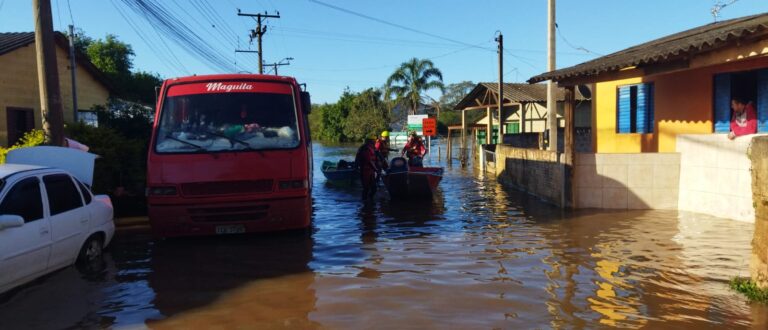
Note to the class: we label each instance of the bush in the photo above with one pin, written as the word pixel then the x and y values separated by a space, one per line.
pixel 122 161
pixel 748 288
pixel 30 139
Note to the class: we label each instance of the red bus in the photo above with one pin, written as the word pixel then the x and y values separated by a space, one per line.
pixel 229 154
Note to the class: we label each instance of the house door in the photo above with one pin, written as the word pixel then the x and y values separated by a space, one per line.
pixel 20 121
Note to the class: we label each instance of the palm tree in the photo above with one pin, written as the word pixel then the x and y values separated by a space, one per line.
pixel 411 79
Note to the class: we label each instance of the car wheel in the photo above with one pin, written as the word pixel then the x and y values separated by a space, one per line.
pixel 91 251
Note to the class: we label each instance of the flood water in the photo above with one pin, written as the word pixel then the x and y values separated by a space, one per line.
pixel 476 257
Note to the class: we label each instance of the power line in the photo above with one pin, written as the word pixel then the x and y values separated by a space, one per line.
pixel 172 27
pixel 157 51
pixel 560 33
pixel 71 18
pixel 395 24
pixel 525 60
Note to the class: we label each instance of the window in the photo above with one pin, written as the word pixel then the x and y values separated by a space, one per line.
pixel 86 192
pixel 90 118
pixel 634 109
pixel 62 193
pixel 18 121
pixel 226 121
pixel 24 199
pixel 752 85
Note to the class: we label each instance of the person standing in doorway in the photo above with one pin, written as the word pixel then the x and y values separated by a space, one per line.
pixel 743 119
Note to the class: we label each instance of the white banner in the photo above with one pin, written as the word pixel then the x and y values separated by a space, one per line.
pixel 416 119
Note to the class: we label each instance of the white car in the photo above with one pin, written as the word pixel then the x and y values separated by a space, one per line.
pixel 48 220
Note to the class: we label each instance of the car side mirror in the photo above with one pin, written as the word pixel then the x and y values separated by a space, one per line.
pixel 306 103
pixel 10 221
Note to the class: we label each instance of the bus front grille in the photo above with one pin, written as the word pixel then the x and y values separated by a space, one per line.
pixel 228 213
pixel 226 187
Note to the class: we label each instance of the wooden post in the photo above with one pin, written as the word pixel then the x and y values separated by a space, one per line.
pixel 463 144
pixel 489 126
pixel 448 150
pixel 48 74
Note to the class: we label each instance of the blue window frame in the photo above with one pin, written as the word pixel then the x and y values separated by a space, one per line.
pixel 634 108
pixel 755 88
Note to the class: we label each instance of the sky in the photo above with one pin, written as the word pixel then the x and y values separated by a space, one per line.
pixel 358 44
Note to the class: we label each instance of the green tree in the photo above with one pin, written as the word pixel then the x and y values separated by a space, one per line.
pixel 453 94
pixel 368 116
pixel 115 59
pixel 112 57
pixel 413 78
pixel 140 87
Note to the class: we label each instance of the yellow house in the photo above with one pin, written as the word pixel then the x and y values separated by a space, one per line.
pixel 681 83
pixel 19 88
pixel 661 114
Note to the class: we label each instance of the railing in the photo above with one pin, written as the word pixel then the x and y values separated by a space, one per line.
pixel 489 159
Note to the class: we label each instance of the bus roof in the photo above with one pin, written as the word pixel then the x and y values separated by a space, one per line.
pixel 233 76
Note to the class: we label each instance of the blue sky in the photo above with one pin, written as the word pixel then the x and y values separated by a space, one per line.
pixel 334 49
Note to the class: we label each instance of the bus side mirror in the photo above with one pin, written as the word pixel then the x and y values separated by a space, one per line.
pixel 306 103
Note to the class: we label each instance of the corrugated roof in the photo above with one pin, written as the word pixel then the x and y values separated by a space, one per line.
pixel 697 40
pixel 10 41
pixel 514 93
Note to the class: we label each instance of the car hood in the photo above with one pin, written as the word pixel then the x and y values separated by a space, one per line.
pixel 78 163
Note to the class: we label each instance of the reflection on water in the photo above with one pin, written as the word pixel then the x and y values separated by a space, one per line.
pixel 476 256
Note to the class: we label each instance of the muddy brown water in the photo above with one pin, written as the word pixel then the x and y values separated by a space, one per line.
pixel 475 257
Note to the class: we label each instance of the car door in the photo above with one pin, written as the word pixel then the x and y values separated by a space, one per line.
pixel 68 218
pixel 24 251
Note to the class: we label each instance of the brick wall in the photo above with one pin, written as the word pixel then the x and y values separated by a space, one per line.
pixel 537 172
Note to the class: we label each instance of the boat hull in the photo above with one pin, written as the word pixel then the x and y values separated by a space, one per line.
pixel 336 175
pixel 417 182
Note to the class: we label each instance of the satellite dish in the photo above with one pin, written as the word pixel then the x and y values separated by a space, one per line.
pixel 584 91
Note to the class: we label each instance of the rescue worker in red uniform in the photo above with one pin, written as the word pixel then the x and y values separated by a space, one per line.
pixel 382 145
pixel 368 165
pixel 414 150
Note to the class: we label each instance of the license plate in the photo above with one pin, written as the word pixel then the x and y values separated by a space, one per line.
pixel 230 229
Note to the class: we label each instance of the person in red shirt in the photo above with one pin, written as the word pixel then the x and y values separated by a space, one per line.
pixel 367 164
pixel 744 118
pixel 414 150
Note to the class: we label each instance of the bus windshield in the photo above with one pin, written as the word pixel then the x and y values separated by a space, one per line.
pixel 227 119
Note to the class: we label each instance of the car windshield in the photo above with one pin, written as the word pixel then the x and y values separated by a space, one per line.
pixel 227 117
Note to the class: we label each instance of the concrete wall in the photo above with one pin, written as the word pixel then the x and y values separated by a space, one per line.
pixel 19 86
pixel 715 176
pixel 534 171
pixel 758 154
pixel 626 181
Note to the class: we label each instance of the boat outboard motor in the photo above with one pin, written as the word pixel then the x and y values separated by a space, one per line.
pixel 398 165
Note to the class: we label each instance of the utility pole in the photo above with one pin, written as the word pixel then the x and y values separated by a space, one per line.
pixel 281 63
pixel 259 32
pixel 48 74
pixel 500 40
pixel 551 101
pixel 73 68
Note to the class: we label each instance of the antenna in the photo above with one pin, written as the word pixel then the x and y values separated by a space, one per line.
pixel 719 5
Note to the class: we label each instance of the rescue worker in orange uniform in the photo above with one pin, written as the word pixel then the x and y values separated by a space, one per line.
pixel 368 165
